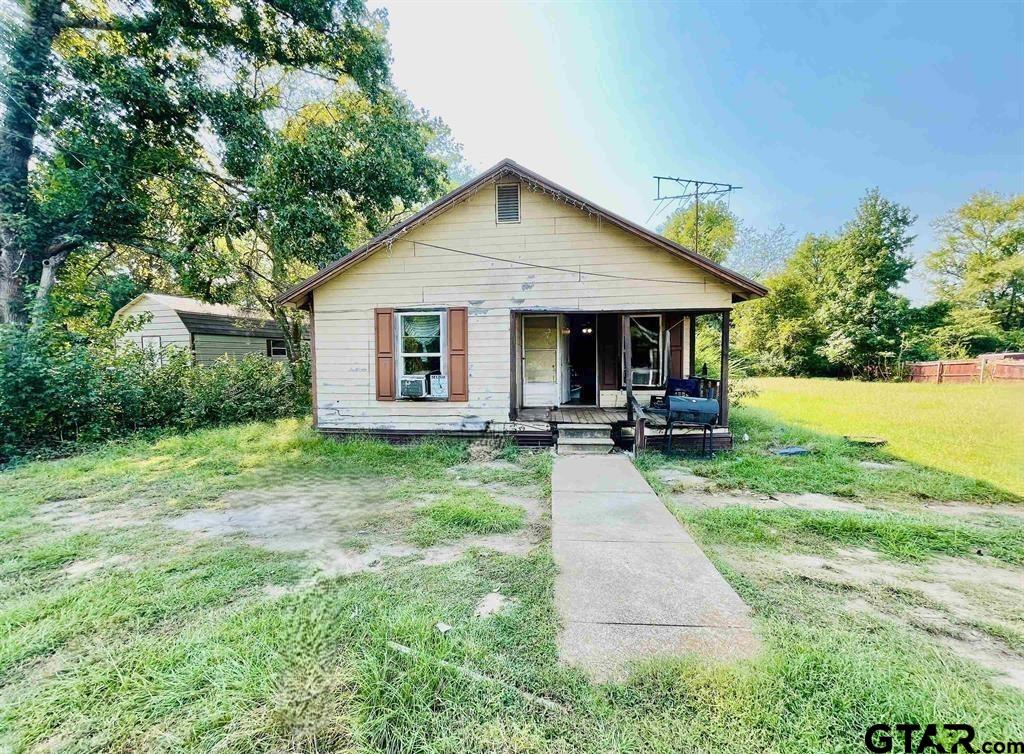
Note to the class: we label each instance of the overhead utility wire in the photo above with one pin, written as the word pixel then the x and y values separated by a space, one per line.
pixel 558 269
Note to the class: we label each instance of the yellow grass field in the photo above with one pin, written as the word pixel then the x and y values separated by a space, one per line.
pixel 976 431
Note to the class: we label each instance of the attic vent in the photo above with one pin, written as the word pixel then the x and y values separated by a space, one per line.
pixel 507 202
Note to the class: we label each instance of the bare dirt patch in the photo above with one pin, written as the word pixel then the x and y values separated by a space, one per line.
pixel 347 526
pixel 79 515
pixel 81 568
pixel 680 477
pixel 972 510
pixel 877 465
pixel 491 603
pixel 699 499
pixel 943 598
pixel 691 496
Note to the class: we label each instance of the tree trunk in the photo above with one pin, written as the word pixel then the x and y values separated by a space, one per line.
pixel 10 281
pixel 23 94
pixel 47 278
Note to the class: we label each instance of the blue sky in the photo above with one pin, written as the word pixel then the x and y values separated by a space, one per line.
pixel 805 106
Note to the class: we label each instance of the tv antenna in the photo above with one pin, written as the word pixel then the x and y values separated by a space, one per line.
pixel 671 189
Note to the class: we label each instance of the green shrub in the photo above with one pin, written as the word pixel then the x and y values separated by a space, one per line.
pixel 58 390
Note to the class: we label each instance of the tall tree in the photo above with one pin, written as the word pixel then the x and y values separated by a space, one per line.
pixel 978 267
pixel 859 307
pixel 781 333
pixel 108 110
pixel 300 196
pixel 758 254
pixel 710 231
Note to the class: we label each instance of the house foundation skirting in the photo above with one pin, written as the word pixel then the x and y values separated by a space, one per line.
pixel 522 438
pixel 682 440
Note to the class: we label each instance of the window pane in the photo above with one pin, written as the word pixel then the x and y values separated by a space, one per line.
pixel 645 345
pixel 421 345
pixel 540 332
pixel 421 365
pixel 421 333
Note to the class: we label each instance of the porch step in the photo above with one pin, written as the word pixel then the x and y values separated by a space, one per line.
pixel 584 430
pixel 580 439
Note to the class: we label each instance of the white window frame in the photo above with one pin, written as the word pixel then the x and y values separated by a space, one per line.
pixel 158 351
pixel 401 355
pixel 270 347
pixel 519 203
pixel 662 355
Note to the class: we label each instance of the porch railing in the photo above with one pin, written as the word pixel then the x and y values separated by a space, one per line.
pixel 639 419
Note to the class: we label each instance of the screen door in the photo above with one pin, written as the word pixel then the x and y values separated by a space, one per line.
pixel 540 360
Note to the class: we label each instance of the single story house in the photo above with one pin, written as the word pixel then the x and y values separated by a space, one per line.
pixel 209 331
pixel 511 306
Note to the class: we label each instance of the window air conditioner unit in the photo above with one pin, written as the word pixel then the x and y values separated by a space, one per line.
pixel 644 377
pixel 413 387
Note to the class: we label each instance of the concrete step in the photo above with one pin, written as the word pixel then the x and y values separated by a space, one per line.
pixel 584 445
pixel 583 450
pixel 584 430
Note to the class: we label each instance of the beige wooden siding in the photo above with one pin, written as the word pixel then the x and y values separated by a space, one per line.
pixel 209 348
pixel 164 323
pixel 413 275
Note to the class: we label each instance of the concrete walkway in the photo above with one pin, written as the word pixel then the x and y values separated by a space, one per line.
pixel 632 583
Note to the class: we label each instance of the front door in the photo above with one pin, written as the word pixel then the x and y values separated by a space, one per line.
pixel 541 360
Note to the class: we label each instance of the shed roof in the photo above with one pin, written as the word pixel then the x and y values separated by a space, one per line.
pixel 220 324
pixel 201 317
pixel 299 294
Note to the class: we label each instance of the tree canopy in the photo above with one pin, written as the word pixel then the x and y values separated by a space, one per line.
pixel 977 272
pixel 858 306
pixel 710 231
pixel 141 127
pixel 834 308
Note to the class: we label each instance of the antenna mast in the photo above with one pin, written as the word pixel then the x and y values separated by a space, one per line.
pixel 688 189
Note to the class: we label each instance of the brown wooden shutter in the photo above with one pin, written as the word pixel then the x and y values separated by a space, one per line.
pixel 384 334
pixel 610 351
pixel 676 331
pixel 458 354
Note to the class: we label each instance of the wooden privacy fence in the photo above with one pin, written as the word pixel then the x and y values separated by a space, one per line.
pixel 985 368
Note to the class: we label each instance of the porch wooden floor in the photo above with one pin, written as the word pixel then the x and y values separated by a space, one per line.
pixel 582 415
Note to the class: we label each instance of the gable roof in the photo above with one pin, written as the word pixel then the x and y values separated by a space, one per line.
pixel 298 294
pixel 200 317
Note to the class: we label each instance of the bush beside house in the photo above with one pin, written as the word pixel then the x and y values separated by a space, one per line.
pixel 58 389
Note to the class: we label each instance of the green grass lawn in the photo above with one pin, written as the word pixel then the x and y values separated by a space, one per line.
pixel 944 442
pixel 973 431
pixel 211 643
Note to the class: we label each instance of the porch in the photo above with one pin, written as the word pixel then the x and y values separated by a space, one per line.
pixel 578 415
pixel 604 368
pixel 624 428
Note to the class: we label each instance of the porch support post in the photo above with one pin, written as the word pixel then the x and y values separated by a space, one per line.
pixel 627 367
pixel 516 364
pixel 723 384
pixel 693 346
